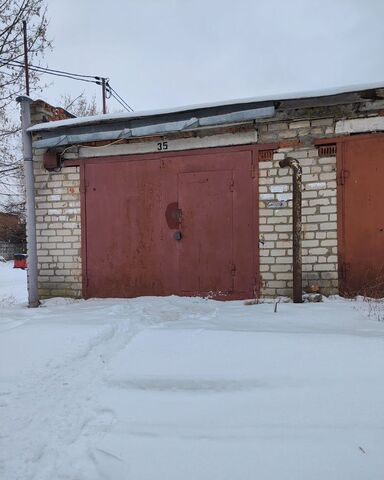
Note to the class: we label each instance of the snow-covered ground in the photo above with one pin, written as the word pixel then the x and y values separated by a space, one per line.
pixel 179 388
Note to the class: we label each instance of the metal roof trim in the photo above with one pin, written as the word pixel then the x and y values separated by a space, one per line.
pixel 93 135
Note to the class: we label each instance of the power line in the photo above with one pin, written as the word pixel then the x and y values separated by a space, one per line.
pixel 118 100
pixel 48 72
pixel 119 96
pixel 113 92
pixel 73 76
pixel 46 69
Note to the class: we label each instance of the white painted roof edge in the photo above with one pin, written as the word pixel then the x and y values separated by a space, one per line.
pixel 147 113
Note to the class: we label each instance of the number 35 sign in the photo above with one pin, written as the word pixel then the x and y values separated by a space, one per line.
pixel 162 146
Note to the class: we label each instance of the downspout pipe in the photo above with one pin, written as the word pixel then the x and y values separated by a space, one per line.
pixel 292 163
pixel 33 295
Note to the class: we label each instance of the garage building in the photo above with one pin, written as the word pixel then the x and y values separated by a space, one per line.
pixel 192 201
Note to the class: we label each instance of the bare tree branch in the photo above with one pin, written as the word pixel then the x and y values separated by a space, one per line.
pixel 80 106
pixel 12 13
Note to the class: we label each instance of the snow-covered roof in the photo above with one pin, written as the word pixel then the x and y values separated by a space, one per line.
pixel 113 117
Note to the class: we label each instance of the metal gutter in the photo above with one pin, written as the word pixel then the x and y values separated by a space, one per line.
pixel 110 132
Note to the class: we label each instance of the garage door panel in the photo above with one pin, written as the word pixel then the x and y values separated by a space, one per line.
pixel 123 207
pixel 245 228
pixel 245 221
pixel 363 216
pixel 205 250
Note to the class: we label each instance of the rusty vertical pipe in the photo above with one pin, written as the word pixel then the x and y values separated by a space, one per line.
pixel 296 241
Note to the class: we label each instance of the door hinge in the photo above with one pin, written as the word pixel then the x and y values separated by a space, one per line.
pixel 343 270
pixel 232 269
pixel 341 178
pixel 232 185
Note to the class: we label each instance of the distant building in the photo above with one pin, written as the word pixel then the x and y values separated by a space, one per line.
pixel 192 201
pixel 12 235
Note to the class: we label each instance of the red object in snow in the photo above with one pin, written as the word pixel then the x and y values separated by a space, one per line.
pixel 20 261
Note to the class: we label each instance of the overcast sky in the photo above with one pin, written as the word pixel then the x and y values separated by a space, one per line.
pixel 166 53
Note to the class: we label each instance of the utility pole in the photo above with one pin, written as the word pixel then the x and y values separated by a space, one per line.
pixel 33 294
pixel 26 68
pixel 103 82
pixel 103 86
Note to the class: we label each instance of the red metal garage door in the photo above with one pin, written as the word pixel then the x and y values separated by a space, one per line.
pixel 361 226
pixel 177 224
pixel 206 249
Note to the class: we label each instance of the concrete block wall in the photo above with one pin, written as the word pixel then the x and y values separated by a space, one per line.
pixel 319 209
pixel 58 230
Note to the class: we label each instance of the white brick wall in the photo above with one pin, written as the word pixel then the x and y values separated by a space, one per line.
pixel 58 230
pixel 319 239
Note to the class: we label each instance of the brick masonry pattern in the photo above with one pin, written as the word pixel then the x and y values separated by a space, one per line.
pixel 319 211
pixel 58 230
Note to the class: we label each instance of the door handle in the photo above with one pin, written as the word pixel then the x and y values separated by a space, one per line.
pixel 178 235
